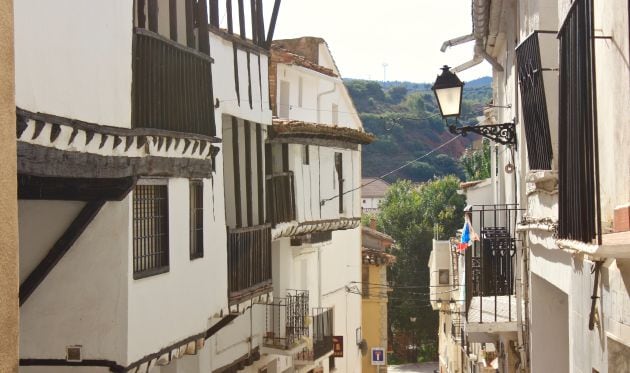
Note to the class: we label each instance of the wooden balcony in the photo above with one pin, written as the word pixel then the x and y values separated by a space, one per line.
pixel 172 86
pixel 249 262
pixel 280 198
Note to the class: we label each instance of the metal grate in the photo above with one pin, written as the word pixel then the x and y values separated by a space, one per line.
pixel 196 219
pixel 535 117
pixel 286 320
pixel 322 331
pixel 150 230
pixel 249 261
pixel 579 206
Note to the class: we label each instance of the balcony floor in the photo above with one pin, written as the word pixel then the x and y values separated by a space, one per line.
pixel 481 314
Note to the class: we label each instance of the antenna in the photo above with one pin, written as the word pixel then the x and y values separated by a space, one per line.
pixel 384 71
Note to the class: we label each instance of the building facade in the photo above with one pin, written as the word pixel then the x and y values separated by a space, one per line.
pixel 372 193
pixel 137 251
pixel 313 175
pixel 560 72
pixel 377 257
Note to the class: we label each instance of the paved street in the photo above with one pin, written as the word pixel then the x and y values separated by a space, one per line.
pixel 409 368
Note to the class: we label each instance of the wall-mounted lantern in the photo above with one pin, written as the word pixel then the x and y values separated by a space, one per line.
pixel 448 90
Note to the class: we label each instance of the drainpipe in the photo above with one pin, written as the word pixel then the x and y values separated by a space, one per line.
pixel 481 17
pixel 319 96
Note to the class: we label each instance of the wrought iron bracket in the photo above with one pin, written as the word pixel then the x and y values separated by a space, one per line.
pixel 504 133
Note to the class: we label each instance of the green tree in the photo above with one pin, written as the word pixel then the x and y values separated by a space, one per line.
pixel 397 94
pixel 412 214
pixel 476 162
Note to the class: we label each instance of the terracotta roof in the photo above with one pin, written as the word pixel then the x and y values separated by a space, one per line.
pixel 470 184
pixel 377 188
pixel 282 55
pixel 375 233
pixel 377 257
pixel 297 128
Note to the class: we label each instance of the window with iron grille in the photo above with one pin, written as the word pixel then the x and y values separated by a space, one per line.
pixel 150 230
pixel 578 173
pixel 196 219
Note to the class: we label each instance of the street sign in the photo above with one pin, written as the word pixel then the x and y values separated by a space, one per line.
pixel 337 341
pixel 378 356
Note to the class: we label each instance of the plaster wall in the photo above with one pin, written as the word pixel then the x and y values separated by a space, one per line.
pixel 370 203
pixel 83 301
pixel 92 82
pixel 191 291
pixel 374 315
pixel 9 283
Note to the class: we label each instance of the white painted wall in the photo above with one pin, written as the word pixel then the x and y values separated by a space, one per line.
pixel 75 66
pixel 84 300
pixel 370 203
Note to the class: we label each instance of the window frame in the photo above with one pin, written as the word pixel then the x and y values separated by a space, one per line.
pixel 137 247
pixel 195 226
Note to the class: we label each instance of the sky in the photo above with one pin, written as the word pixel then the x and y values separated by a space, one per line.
pixel 365 34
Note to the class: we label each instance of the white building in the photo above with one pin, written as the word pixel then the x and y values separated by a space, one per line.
pixel 139 248
pixel 313 174
pixel 560 69
pixel 373 193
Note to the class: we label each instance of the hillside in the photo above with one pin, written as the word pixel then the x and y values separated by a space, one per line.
pixel 405 119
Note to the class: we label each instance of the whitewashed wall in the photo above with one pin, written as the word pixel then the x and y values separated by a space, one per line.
pixel 75 66
pixel 84 300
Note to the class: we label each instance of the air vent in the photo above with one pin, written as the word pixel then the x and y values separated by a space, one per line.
pixel 73 353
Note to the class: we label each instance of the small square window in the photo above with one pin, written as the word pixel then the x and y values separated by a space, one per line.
pixel 150 230
pixel 443 277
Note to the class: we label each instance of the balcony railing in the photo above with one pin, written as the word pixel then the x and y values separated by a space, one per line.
pixel 249 261
pixel 280 198
pixel 490 264
pixel 286 321
pixel 172 86
pixel 322 332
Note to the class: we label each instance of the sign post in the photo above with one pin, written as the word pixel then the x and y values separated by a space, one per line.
pixel 378 357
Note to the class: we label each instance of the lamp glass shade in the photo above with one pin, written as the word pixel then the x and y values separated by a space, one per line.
pixel 451 305
pixel 448 91
pixel 449 101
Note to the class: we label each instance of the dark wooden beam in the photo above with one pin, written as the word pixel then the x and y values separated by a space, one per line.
pixel 237 173
pixel 202 31
pixel 254 21
pixel 272 23
pixel 260 175
pixel 240 363
pixel 230 20
pixel 153 15
pixel 74 189
pixel 241 18
pixel 112 365
pixel 214 13
pixel 172 15
pixel 260 20
pixel 142 18
pixel 249 81
pixel 190 24
pixel 285 157
pixel 59 249
pixel 237 85
pixel 248 174
pixel 44 161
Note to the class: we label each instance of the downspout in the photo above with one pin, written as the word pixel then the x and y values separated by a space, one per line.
pixel 319 96
pixel 594 297
pixel 481 21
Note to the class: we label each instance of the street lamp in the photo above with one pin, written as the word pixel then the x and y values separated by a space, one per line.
pixel 448 90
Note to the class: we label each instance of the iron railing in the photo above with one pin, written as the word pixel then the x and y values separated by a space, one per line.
pixel 490 262
pixel 579 202
pixel 457 326
pixel 172 86
pixel 280 198
pixel 286 320
pixel 322 332
pixel 535 116
pixel 249 261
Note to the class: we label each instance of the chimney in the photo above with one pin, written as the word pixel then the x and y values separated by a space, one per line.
pixel 373 223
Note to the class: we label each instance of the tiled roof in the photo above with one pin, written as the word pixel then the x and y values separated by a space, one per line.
pixel 282 55
pixel 297 128
pixel 374 187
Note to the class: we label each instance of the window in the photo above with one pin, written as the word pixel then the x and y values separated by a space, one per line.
pixel 339 169
pixel 443 277
pixel 150 230
pixel 335 114
pixel 305 155
pixel 196 219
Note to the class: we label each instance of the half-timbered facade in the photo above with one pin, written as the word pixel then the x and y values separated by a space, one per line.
pixel 126 195
pixel 313 177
